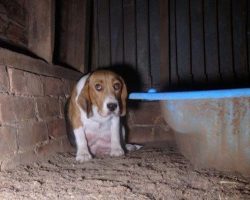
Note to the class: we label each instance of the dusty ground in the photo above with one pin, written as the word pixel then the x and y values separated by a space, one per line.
pixel 150 173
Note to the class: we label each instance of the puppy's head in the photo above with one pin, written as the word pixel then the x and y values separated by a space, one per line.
pixel 105 91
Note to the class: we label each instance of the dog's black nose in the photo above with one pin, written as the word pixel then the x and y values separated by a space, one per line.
pixel 112 106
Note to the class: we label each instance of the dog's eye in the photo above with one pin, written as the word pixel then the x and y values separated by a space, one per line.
pixel 98 87
pixel 117 86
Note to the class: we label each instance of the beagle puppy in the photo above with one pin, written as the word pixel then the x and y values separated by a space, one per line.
pixel 95 107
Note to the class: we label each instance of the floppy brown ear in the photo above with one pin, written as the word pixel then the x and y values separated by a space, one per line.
pixel 84 100
pixel 124 95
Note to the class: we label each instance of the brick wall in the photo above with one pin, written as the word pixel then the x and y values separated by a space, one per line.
pixel 146 123
pixel 32 121
pixel 32 98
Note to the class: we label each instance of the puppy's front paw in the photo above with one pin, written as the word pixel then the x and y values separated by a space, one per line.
pixel 117 152
pixel 83 157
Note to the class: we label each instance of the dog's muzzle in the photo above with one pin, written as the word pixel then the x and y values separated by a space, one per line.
pixel 112 106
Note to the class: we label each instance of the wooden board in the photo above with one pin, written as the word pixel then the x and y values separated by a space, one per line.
pixel 73 34
pixel 13 23
pixel 154 42
pixel 41 28
pixel 211 41
pixel 174 77
pixel 142 41
pixel 103 33
pixel 248 38
pixel 129 33
pixel 164 45
pixel 184 61
pixel 239 20
pixel 94 37
pixel 197 42
pixel 174 44
pixel 226 61
pixel 116 31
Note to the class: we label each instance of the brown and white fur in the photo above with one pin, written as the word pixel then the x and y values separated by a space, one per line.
pixel 95 107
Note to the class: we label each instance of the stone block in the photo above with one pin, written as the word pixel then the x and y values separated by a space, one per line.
pixel 68 87
pixel 4 79
pixel 48 107
pixel 63 102
pixel 14 109
pixel 49 148
pixel 57 128
pixel 8 143
pixel 31 133
pixel 24 83
pixel 53 87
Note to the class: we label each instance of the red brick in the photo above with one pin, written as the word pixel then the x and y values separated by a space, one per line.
pixel 35 86
pixel 49 148
pixel 57 128
pixel 24 108
pixel 26 157
pixel 30 133
pixel 62 107
pixel 48 107
pixel 18 159
pixel 18 81
pixel 66 146
pixel 14 109
pixel 8 144
pixel 53 146
pixel 7 110
pixel 4 79
pixel 72 84
pixel 53 86
pixel 24 83
pixel 68 85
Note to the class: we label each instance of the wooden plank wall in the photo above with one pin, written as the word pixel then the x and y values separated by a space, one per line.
pixel 72 34
pixel 209 43
pixel 174 44
pixel 13 20
pixel 127 34
pixel 41 28
pixel 28 27
pixel 211 50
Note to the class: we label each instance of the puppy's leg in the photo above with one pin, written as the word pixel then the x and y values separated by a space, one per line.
pixel 133 147
pixel 129 147
pixel 82 153
pixel 116 148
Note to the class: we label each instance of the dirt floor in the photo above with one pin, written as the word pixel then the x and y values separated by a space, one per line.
pixel 150 173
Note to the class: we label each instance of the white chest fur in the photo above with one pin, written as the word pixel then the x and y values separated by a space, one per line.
pixel 99 131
